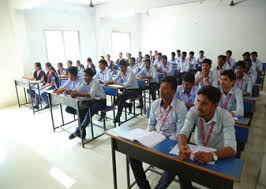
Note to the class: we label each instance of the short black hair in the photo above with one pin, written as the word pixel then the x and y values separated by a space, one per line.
pixel 69 62
pixel 212 93
pixel 178 51
pixel 73 70
pixel 147 56
pixel 173 53
pixel 104 62
pixel 246 54
pixel 164 57
pixel 201 51
pixel 171 80
pixel 241 64
pixel 122 62
pixel 184 52
pixel 223 57
pixel 89 59
pixel 189 77
pixel 229 51
pixel 206 61
pixel 147 61
pixel 133 59
pixel 38 64
pixel 192 53
pixel 89 72
pixel 254 53
pixel 60 64
pixel 229 73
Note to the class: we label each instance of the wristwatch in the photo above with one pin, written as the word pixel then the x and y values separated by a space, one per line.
pixel 214 156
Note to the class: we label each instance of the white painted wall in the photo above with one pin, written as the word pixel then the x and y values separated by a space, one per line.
pixel 10 65
pixel 209 26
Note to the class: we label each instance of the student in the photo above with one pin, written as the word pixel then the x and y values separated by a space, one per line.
pixel 152 58
pixel 38 74
pixel 73 81
pixel 206 76
pixel 80 67
pixel 139 59
pixel 243 81
pixel 221 65
pixel 149 72
pixel 128 55
pixel 164 67
pixel 91 65
pixel 167 116
pixel 69 65
pixel 200 58
pixel 133 66
pixel 60 69
pixel 246 56
pixel 131 88
pixel 178 55
pixel 113 71
pixel 120 57
pixel 109 61
pixel 229 60
pixel 89 88
pixel 251 70
pixel 173 64
pixel 157 60
pixel 191 60
pixel 258 63
pixel 231 98
pixel 183 63
pixel 187 92
pixel 51 83
pixel 104 75
pixel 214 127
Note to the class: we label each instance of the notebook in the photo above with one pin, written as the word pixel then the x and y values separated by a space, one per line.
pixel 143 137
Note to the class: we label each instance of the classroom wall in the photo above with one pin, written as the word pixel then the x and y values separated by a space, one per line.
pixel 10 54
pixel 67 17
pixel 211 26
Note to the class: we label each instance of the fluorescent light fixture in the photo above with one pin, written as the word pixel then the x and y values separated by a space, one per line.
pixel 62 177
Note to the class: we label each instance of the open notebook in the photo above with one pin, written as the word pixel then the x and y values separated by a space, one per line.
pixel 143 137
pixel 194 149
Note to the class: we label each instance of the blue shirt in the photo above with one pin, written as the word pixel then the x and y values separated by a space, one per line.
pixel 187 98
pixel 72 84
pixel 151 73
pixel 128 79
pixel 93 88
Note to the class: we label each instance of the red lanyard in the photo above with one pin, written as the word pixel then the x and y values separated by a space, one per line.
pixel 161 116
pixel 228 98
pixel 203 134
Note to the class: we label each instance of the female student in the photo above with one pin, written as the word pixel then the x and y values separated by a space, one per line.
pixel 60 69
pixel 91 65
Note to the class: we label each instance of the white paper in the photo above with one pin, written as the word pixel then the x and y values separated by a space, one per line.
pixel 133 134
pixel 151 139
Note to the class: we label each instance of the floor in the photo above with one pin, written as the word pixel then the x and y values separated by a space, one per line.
pixel 33 156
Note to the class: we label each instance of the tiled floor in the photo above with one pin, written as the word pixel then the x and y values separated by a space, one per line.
pixel 32 156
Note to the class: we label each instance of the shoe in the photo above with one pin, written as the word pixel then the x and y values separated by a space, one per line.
pixel 129 105
pixel 36 107
pixel 46 107
pixel 77 134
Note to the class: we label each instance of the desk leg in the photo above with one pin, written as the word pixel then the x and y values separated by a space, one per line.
pixel 80 130
pixel 92 132
pixel 113 144
pixel 39 92
pixel 51 110
pixel 25 96
pixel 128 173
pixel 17 94
pixel 62 116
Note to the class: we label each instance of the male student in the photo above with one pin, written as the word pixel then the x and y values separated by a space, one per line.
pixel 251 70
pixel 91 65
pixel 206 77
pixel 109 61
pixel 201 57
pixel 246 56
pixel 89 88
pixel 231 98
pixel 132 65
pixel 149 72
pixel 183 63
pixel 187 92
pixel 191 60
pixel 131 88
pixel 157 60
pixel 258 63
pixel 214 127
pixel 178 55
pixel 164 67
pixel 243 81
pixel 167 116
pixel 139 59
pixel 221 65
pixel 104 75
pixel 120 57
pixel 229 60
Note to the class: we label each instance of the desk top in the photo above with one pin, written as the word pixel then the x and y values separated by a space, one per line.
pixel 249 98
pixel 116 86
pixel 228 168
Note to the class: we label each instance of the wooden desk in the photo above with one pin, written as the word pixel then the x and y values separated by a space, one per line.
pixel 220 176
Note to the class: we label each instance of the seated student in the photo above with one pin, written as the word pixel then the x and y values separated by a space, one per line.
pixel 113 71
pixel 246 56
pixel 229 60
pixel 60 69
pixel 200 58
pixel 104 75
pixel 214 127
pixel 258 63
pixel 251 70
pixel 157 61
pixel 132 65
pixel 109 61
pixel 243 81
pixel 131 88
pixel 52 82
pixel 150 73
pixel 183 63
pixel 173 63
pixel 120 57
pixel 146 57
pixel 187 92
pixel 206 76
pixel 164 67
pixel 89 88
pixel 139 59
pixel 128 55
pixel 178 55
pixel 167 116
pixel 91 65
pixel 221 65
pixel 38 75
pixel 232 98
pixel 191 61
pixel 80 67
pixel 152 58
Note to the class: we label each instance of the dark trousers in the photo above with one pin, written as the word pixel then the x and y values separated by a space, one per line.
pixel 126 95
pixel 94 107
pixel 82 112
pixel 165 180
pixel 153 88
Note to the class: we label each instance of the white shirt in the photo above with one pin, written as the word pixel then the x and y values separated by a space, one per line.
pixel 134 68
pixel 231 62
pixel 212 77
pixel 151 73
pixel 259 65
pixel 104 76
pixel 93 88
pixel 244 84
pixel 184 65
pixel 128 79
pixel 200 59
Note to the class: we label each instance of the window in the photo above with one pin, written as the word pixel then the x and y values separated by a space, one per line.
pixel 62 46
pixel 120 43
